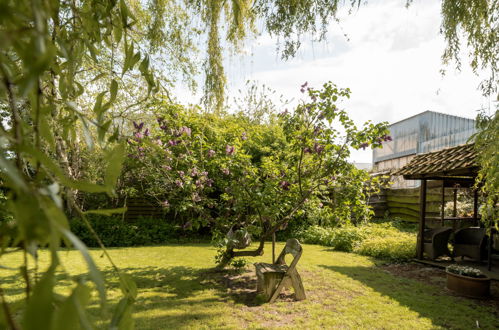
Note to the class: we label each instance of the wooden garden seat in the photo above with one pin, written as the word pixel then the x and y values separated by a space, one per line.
pixel 272 278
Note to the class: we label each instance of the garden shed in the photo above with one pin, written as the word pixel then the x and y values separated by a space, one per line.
pixel 456 168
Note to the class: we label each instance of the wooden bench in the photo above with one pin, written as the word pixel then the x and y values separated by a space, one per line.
pixel 272 278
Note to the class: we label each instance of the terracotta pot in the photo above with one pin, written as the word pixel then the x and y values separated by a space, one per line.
pixel 469 286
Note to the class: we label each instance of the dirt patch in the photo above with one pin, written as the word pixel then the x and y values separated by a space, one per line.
pixel 437 277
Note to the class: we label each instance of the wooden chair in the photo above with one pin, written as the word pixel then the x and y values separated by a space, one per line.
pixel 272 278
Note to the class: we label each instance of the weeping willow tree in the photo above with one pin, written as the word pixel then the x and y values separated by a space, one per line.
pixel 472 23
pixel 69 71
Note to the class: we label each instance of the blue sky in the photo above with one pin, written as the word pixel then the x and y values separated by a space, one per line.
pixel 390 59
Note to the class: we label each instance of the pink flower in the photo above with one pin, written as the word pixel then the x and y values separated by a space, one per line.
pixel 165 204
pixel 179 183
pixel 211 153
pixel 225 171
pixel 138 135
pixel 186 130
pixel 284 185
pixel 166 167
pixel 181 173
pixel 364 145
pixel 244 136
pixel 229 150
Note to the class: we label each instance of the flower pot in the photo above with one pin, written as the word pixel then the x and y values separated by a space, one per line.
pixel 474 287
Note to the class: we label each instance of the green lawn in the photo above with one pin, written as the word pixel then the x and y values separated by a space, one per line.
pixel 179 289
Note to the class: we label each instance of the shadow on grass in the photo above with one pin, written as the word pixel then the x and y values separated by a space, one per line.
pixel 428 301
pixel 183 296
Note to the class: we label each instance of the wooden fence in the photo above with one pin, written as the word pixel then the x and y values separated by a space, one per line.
pixel 142 207
pixel 404 203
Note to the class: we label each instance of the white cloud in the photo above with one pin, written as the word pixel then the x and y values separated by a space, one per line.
pixel 391 62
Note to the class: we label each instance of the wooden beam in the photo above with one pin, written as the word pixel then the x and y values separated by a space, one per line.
pixel 475 206
pixel 454 211
pixel 442 206
pixel 422 213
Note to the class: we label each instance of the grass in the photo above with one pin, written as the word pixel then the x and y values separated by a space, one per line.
pixel 179 289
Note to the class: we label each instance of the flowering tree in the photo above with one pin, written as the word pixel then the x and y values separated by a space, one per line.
pixel 311 168
pixel 245 178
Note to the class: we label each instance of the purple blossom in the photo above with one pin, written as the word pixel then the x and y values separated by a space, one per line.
pixel 199 183
pixel 181 173
pixel 321 115
pixel 204 173
pixel 194 172
pixel 284 113
pixel 229 150
pixel 160 119
pixel 284 185
pixel 138 127
pixel 386 138
pixel 173 142
pixel 302 87
pixel 364 145
pixel 209 182
pixel 166 167
pixel 138 135
pixel 318 148
pixel 307 150
pixel 225 171
pixel 211 153
pixel 179 183
pixel 146 132
pixel 163 127
pixel 186 130
pixel 159 142
pixel 317 130
pixel 244 136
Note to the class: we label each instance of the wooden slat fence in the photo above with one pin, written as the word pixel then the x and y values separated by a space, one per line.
pixel 404 203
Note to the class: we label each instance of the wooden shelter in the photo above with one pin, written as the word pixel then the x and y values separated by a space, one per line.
pixel 456 168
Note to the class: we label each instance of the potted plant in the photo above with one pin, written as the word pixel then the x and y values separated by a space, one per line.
pixel 467 281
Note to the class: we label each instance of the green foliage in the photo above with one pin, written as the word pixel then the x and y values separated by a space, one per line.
pixel 59 64
pixel 113 231
pixel 486 145
pixel 384 241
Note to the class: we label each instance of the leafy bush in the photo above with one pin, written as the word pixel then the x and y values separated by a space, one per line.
pixel 398 248
pixel 384 240
pixel 113 231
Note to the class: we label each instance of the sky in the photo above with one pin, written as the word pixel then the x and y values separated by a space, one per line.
pixel 390 58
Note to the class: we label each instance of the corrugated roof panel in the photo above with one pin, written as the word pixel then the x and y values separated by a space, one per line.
pixel 429 131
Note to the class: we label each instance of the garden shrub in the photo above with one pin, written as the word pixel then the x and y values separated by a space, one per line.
pixel 113 231
pixel 379 240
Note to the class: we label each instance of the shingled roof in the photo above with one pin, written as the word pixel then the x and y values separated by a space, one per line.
pixel 457 161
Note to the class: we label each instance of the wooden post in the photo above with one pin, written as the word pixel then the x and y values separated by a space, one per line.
pixel 454 211
pixel 422 215
pixel 442 207
pixel 273 248
pixel 475 206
